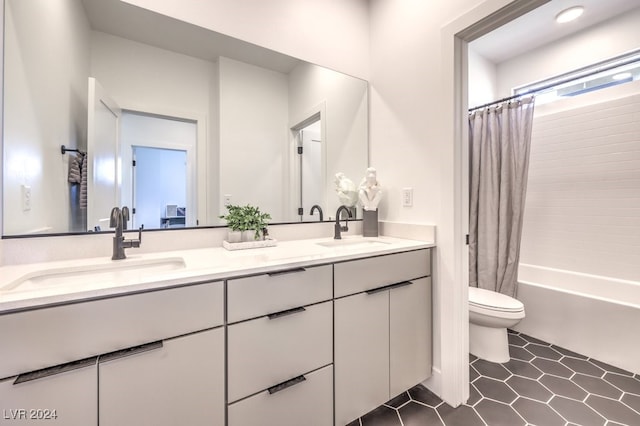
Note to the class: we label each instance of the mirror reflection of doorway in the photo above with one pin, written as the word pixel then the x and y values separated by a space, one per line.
pixel 159 199
pixel 159 152
pixel 309 168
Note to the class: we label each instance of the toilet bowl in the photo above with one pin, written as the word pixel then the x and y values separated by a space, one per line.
pixel 490 314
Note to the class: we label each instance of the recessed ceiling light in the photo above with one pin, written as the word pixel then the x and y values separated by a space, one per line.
pixel 622 76
pixel 570 14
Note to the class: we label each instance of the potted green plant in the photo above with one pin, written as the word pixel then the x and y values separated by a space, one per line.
pixel 246 223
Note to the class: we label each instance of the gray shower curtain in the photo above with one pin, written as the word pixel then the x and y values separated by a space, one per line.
pixel 499 139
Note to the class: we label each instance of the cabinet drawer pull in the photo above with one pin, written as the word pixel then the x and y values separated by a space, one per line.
pixel 57 369
pixel 285 313
pixel 286 271
pixel 131 351
pixel 389 287
pixel 287 384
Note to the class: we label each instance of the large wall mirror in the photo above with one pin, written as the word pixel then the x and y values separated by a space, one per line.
pixel 167 118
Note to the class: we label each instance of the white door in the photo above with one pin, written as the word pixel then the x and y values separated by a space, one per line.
pixel 311 171
pixel 103 172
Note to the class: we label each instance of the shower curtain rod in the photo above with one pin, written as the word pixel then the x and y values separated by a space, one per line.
pixel 499 101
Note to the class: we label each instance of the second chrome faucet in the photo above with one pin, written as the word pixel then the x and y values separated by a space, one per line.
pixel 118 220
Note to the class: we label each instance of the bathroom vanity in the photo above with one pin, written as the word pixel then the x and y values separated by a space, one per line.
pixel 312 332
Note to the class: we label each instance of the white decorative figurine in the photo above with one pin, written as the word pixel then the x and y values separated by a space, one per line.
pixel 346 190
pixel 370 192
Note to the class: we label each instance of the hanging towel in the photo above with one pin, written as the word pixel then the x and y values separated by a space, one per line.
pixel 75 168
pixel 83 181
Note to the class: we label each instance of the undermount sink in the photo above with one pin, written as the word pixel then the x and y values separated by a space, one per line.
pixel 114 271
pixel 352 242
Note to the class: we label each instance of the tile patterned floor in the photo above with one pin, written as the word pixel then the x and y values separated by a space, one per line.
pixel 542 385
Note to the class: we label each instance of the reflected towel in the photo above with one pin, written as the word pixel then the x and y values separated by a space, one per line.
pixel 83 181
pixel 75 168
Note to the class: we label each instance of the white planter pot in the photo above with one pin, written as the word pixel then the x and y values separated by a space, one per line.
pixel 234 236
pixel 248 235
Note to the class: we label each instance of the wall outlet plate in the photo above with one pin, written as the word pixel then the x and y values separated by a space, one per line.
pixel 407 197
pixel 26 198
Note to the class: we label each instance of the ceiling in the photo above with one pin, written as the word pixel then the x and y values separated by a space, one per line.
pixel 538 27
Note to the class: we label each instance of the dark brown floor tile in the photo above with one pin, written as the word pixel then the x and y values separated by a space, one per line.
pixel 564 387
pixel 494 389
pixel 529 388
pixel 356 422
pixel 613 410
pixel 491 369
pixel 381 416
pixel 520 353
pixel 567 352
pixel 552 367
pixel 543 351
pixel 610 368
pixel 516 340
pixel 596 385
pixel 414 414
pixel 624 383
pixel 472 357
pixel 537 413
pixel 522 368
pixel 474 395
pixel 632 401
pixel 497 414
pixel 473 373
pixel 421 394
pixel 534 340
pixel 576 412
pixel 582 366
pixel 511 331
pixel 460 416
pixel 399 400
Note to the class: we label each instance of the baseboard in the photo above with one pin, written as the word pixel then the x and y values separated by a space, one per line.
pixel 434 383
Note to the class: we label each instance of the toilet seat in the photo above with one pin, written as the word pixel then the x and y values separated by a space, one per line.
pixel 486 300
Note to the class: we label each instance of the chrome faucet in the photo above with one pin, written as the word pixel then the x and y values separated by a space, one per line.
pixel 338 229
pixel 118 221
pixel 314 208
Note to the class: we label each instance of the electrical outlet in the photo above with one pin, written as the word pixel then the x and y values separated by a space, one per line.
pixel 26 198
pixel 407 197
pixel 227 199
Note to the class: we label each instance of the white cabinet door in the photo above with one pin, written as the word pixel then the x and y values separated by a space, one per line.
pixel 66 397
pixel 361 359
pixel 409 335
pixel 178 383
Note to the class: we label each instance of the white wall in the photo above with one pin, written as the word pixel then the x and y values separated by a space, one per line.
pixel 331 33
pixel 346 121
pixel 253 136
pixel 600 42
pixel 483 83
pixel 41 114
pixel 583 195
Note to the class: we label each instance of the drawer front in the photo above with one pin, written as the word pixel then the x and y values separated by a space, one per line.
pixel 263 352
pixel 71 396
pixel 253 297
pixel 46 337
pixel 366 274
pixel 309 403
pixel 178 383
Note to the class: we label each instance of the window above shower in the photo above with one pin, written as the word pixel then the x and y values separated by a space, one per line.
pixel 619 70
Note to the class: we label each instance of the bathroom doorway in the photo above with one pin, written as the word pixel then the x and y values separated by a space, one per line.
pixel 309 167
pixel 159 170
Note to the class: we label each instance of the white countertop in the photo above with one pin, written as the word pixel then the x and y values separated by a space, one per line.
pixel 183 267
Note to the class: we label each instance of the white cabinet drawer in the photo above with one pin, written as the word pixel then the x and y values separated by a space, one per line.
pixel 263 351
pixel 366 274
pixel 45 337
pixel 67 397
pixel 308 402
pixel 260 295
pixel 177 382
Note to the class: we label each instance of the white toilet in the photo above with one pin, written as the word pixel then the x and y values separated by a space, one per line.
pixel 490 314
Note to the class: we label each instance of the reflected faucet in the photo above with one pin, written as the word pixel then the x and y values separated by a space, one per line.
pixel 338 229
pixel 118 221
pixel 314 208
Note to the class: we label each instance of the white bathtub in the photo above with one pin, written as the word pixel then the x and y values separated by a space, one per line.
pixel 592 315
